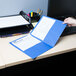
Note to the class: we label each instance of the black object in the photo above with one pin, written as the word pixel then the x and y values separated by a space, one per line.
pixel 27 18
pixel 61 9
pixel 69 31
pixel 16 29
pixel 36 16
pixel 57 64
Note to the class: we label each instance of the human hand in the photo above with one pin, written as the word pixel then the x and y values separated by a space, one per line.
pixel 70 21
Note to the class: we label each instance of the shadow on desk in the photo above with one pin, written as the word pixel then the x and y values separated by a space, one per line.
pixel 62 65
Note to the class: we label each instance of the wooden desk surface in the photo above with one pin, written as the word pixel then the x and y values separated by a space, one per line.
pixel 2 64
pixel 64 45
pixel 10 56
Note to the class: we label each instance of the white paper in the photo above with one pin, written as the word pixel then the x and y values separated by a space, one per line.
pixel 26 42
pixel 43 27
pixel 12 21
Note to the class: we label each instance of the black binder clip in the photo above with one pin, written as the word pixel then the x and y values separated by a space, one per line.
pixel 27 18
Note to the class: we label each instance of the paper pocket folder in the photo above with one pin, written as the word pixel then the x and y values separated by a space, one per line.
pixel 43 37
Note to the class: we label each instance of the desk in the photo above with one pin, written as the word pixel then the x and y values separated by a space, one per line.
pixel 2 64
pixel 11 56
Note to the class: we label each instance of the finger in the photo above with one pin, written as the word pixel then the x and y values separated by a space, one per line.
pixel 66 19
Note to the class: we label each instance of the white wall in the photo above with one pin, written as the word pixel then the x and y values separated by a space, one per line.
pixel 10 7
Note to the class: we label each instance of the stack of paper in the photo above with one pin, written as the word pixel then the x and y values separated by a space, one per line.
pixel 43 37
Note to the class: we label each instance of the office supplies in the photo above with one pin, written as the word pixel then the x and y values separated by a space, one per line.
pixel 31 14
pixel 34 16
pixel 43 37
pixel 14 24
pixel 38 10
pixel 26 17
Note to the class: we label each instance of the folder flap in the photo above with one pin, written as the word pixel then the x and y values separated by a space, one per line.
pixel 37 50
pixel 54 33
pixel 48 30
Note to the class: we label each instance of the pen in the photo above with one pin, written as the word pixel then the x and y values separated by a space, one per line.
pixel 31 14
pixel 38 10
pixel 28 15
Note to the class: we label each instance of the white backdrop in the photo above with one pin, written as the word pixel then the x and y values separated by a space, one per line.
pixel 10 7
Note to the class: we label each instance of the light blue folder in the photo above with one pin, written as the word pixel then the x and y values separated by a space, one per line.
pixel 53 29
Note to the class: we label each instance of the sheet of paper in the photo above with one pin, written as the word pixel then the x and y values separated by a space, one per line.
pixel 12 21
pixel 25 42
pixel 43 27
